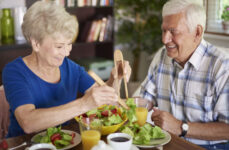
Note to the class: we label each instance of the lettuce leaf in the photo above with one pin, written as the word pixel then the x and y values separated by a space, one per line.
pixel 141 135
pixel 113 119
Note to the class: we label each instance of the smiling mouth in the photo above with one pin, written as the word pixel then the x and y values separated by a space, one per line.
pixel 170 48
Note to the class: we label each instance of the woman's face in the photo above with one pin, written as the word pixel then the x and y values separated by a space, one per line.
pixel 179 41
pixel 53 49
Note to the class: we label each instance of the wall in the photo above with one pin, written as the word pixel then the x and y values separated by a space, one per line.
pixel 145 60
pixel 217 40
pixel 11 3
pixel 17 21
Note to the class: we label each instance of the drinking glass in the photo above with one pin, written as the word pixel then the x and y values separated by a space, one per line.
pixel 90 130
pixel 141 110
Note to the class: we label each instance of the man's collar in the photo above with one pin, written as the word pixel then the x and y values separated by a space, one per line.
pixel 198 54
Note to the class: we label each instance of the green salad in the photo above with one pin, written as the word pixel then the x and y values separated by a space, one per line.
pixel 141 135
pixel 55 136
pixel 108 115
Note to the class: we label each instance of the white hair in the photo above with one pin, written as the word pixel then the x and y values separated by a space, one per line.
pixel 46 18
pixel 195 13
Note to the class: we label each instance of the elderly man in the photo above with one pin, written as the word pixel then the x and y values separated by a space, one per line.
pixel 188 79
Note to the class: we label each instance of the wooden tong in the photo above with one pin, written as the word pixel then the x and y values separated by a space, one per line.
pixel 101 83
pixel 118 58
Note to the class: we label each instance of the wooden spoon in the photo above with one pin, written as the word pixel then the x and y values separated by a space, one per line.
pixel 118 57
pixel 101 83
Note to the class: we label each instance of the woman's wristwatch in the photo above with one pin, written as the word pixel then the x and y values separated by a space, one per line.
pixel 184 128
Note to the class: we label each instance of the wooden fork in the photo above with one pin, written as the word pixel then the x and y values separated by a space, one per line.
pixel 101 83
pixel 118 58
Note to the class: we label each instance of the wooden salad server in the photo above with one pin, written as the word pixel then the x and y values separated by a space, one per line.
pixel 118 58
pixel 101 83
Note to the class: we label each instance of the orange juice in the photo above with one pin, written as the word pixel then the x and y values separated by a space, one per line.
pixel 90 138
pixel 141 114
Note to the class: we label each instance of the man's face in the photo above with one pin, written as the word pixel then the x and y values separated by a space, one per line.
pixel 179 41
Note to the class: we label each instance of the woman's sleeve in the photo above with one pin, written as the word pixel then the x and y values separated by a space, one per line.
pixel 16 87
pixel 85 80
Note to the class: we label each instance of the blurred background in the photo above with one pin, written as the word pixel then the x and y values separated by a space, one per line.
pixel 133 26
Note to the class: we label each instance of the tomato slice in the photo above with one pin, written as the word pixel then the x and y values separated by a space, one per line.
pixel 55 136
pixel 114 111
pixel 84 115
pixel 92 116
pixel 105 113
pixel 73 135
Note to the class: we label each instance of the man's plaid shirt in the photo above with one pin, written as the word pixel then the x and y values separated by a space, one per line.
pixel 197 92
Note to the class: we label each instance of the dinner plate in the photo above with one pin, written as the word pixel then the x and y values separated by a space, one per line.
pixel 133 147
pixel 76 140
pixel 157 142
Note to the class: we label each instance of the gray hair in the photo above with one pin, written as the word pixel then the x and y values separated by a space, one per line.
pixel 47 18
pixel 195 13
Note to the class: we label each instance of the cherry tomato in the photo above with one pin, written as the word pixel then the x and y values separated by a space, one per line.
pixel 114 111
pixel 55 136
pixel 105 113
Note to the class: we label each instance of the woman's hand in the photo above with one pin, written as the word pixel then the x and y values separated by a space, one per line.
pixel 100 95
pixel 123 71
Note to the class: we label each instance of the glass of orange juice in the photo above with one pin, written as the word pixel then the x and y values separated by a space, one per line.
pixel 90 130
pixel 141 110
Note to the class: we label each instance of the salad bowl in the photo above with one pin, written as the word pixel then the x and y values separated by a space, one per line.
pixel 106 114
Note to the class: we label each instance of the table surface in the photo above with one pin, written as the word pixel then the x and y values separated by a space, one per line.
pixel 176 142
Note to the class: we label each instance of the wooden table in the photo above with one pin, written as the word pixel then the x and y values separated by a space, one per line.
pixel 176 142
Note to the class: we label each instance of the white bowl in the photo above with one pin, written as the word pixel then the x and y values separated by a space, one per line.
pixel 42 146
pixel 120 145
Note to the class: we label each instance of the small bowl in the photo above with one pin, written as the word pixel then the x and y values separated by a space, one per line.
pixel 45 146
pixel 120 141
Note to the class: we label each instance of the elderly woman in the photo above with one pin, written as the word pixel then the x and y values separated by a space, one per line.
pixel 41 88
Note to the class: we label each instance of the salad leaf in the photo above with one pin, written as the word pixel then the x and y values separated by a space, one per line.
pixel 66 137
pixel 93 111
pixel 55 136
pixel 96 124
pixel 37 138
pixel 107 114
pixel 61 143
pixel 144 134
pixel 141 135
pixel 131 113
pixel 115 119
pixel 157 133
pixel 45 139
pixel 127 130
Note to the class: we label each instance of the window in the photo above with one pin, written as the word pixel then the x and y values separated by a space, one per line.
pixel 214 10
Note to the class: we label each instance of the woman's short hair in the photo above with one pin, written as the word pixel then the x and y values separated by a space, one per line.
pixel 195 13
pixel 47 18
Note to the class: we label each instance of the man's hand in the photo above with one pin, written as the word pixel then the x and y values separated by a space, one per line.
pixel 166 121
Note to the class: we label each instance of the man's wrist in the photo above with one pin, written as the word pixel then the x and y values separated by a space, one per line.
pixel 184 128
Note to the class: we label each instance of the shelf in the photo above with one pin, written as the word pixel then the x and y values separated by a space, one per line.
pixel 80 49
pixel 84 14
pixel 14 46
pixel 26 45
